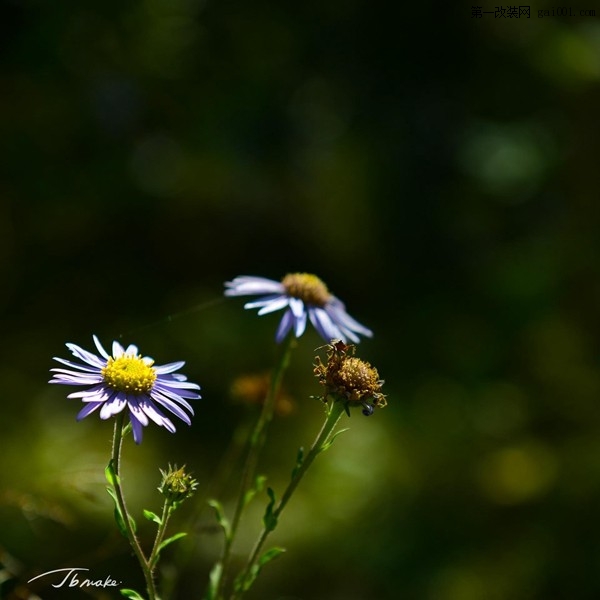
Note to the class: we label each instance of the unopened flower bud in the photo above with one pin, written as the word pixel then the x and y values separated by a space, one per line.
pixel 177 485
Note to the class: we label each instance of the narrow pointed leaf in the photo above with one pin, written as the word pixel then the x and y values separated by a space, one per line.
pixel 119 518
pixel 131 594
pixel 222 520
pixel 330 441
pixel 299 461
pixel 259 484
pixel 151 516
pixel 269 555
pixel 170 540
pixel 244 584
pixel 214 578
pixel 270 519
pixel 111 477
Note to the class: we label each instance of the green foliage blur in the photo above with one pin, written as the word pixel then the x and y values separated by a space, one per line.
pixel 437 170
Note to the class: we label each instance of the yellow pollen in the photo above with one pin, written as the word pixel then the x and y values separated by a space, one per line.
pixel 358 377
pixel 129 374
pixel 348 377
pixel 308 288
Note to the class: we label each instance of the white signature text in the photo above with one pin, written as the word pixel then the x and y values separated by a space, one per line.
pixel 70 578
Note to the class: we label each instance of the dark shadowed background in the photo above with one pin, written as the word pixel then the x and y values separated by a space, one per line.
pixel 438 171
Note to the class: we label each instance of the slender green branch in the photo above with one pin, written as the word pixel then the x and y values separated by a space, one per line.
pixel 321 443
pixel 257 441
pixel 135 545
pixel 160 534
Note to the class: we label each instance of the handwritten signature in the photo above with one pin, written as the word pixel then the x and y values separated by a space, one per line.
pixel 71 579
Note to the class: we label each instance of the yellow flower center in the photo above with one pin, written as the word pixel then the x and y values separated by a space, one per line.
pixel 129 374
pixel 308 288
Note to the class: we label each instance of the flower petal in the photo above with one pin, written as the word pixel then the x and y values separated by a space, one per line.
pixel 276 303
pixel 87 409
pixel 135 410
pixel 101 349
pixel 85 356
pixel 337 311
pixel 323 324
pixel 75 365
pixel 117 350
pixel 176 395
pixel 169 368
pixel 136 427
pixel 172 407
pixel 153 413
pixel 75 379
pixel 113 406
pixel 284 326
pixel 248 285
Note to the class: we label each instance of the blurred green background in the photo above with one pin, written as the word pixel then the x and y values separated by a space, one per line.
pixel 439 172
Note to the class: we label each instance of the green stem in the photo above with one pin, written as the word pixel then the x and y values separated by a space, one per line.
pixel 160 534
pixel 257 442
pixel 333 416
pixel 135 545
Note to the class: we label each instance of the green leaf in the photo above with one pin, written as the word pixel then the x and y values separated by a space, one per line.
pixel 222 520
pixel 330 441
pixel 151 516
pixel 259 484
pixel 299 461
pixel 170 540
pixel 214 578
pixel 243 584
pixel 132 594
pixel 111 477
pixel 270 519
pixel 269 555
pixel 119 518
pixel 118 514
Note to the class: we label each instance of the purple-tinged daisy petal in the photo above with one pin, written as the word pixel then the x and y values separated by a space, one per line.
pixel 74 379
pixel 176 395
pixel 99 391
pixel 270 305
pixel 284 326
pixel 173 406
pixel 74 365
pixel 87 410
pixel 117 350
pixel 244 285
pixel 136 428
pixel 136 411
pixel 155 415
pixel 169 368
pixel 323 324
pixel 85 356
pixel 113 406
pixel 337 312
pixel 100 348
pixel 126 379
pixel 303 296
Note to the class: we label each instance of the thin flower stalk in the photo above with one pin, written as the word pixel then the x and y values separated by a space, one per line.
pixel 256 444
pixel 146 566
pixel 321 443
